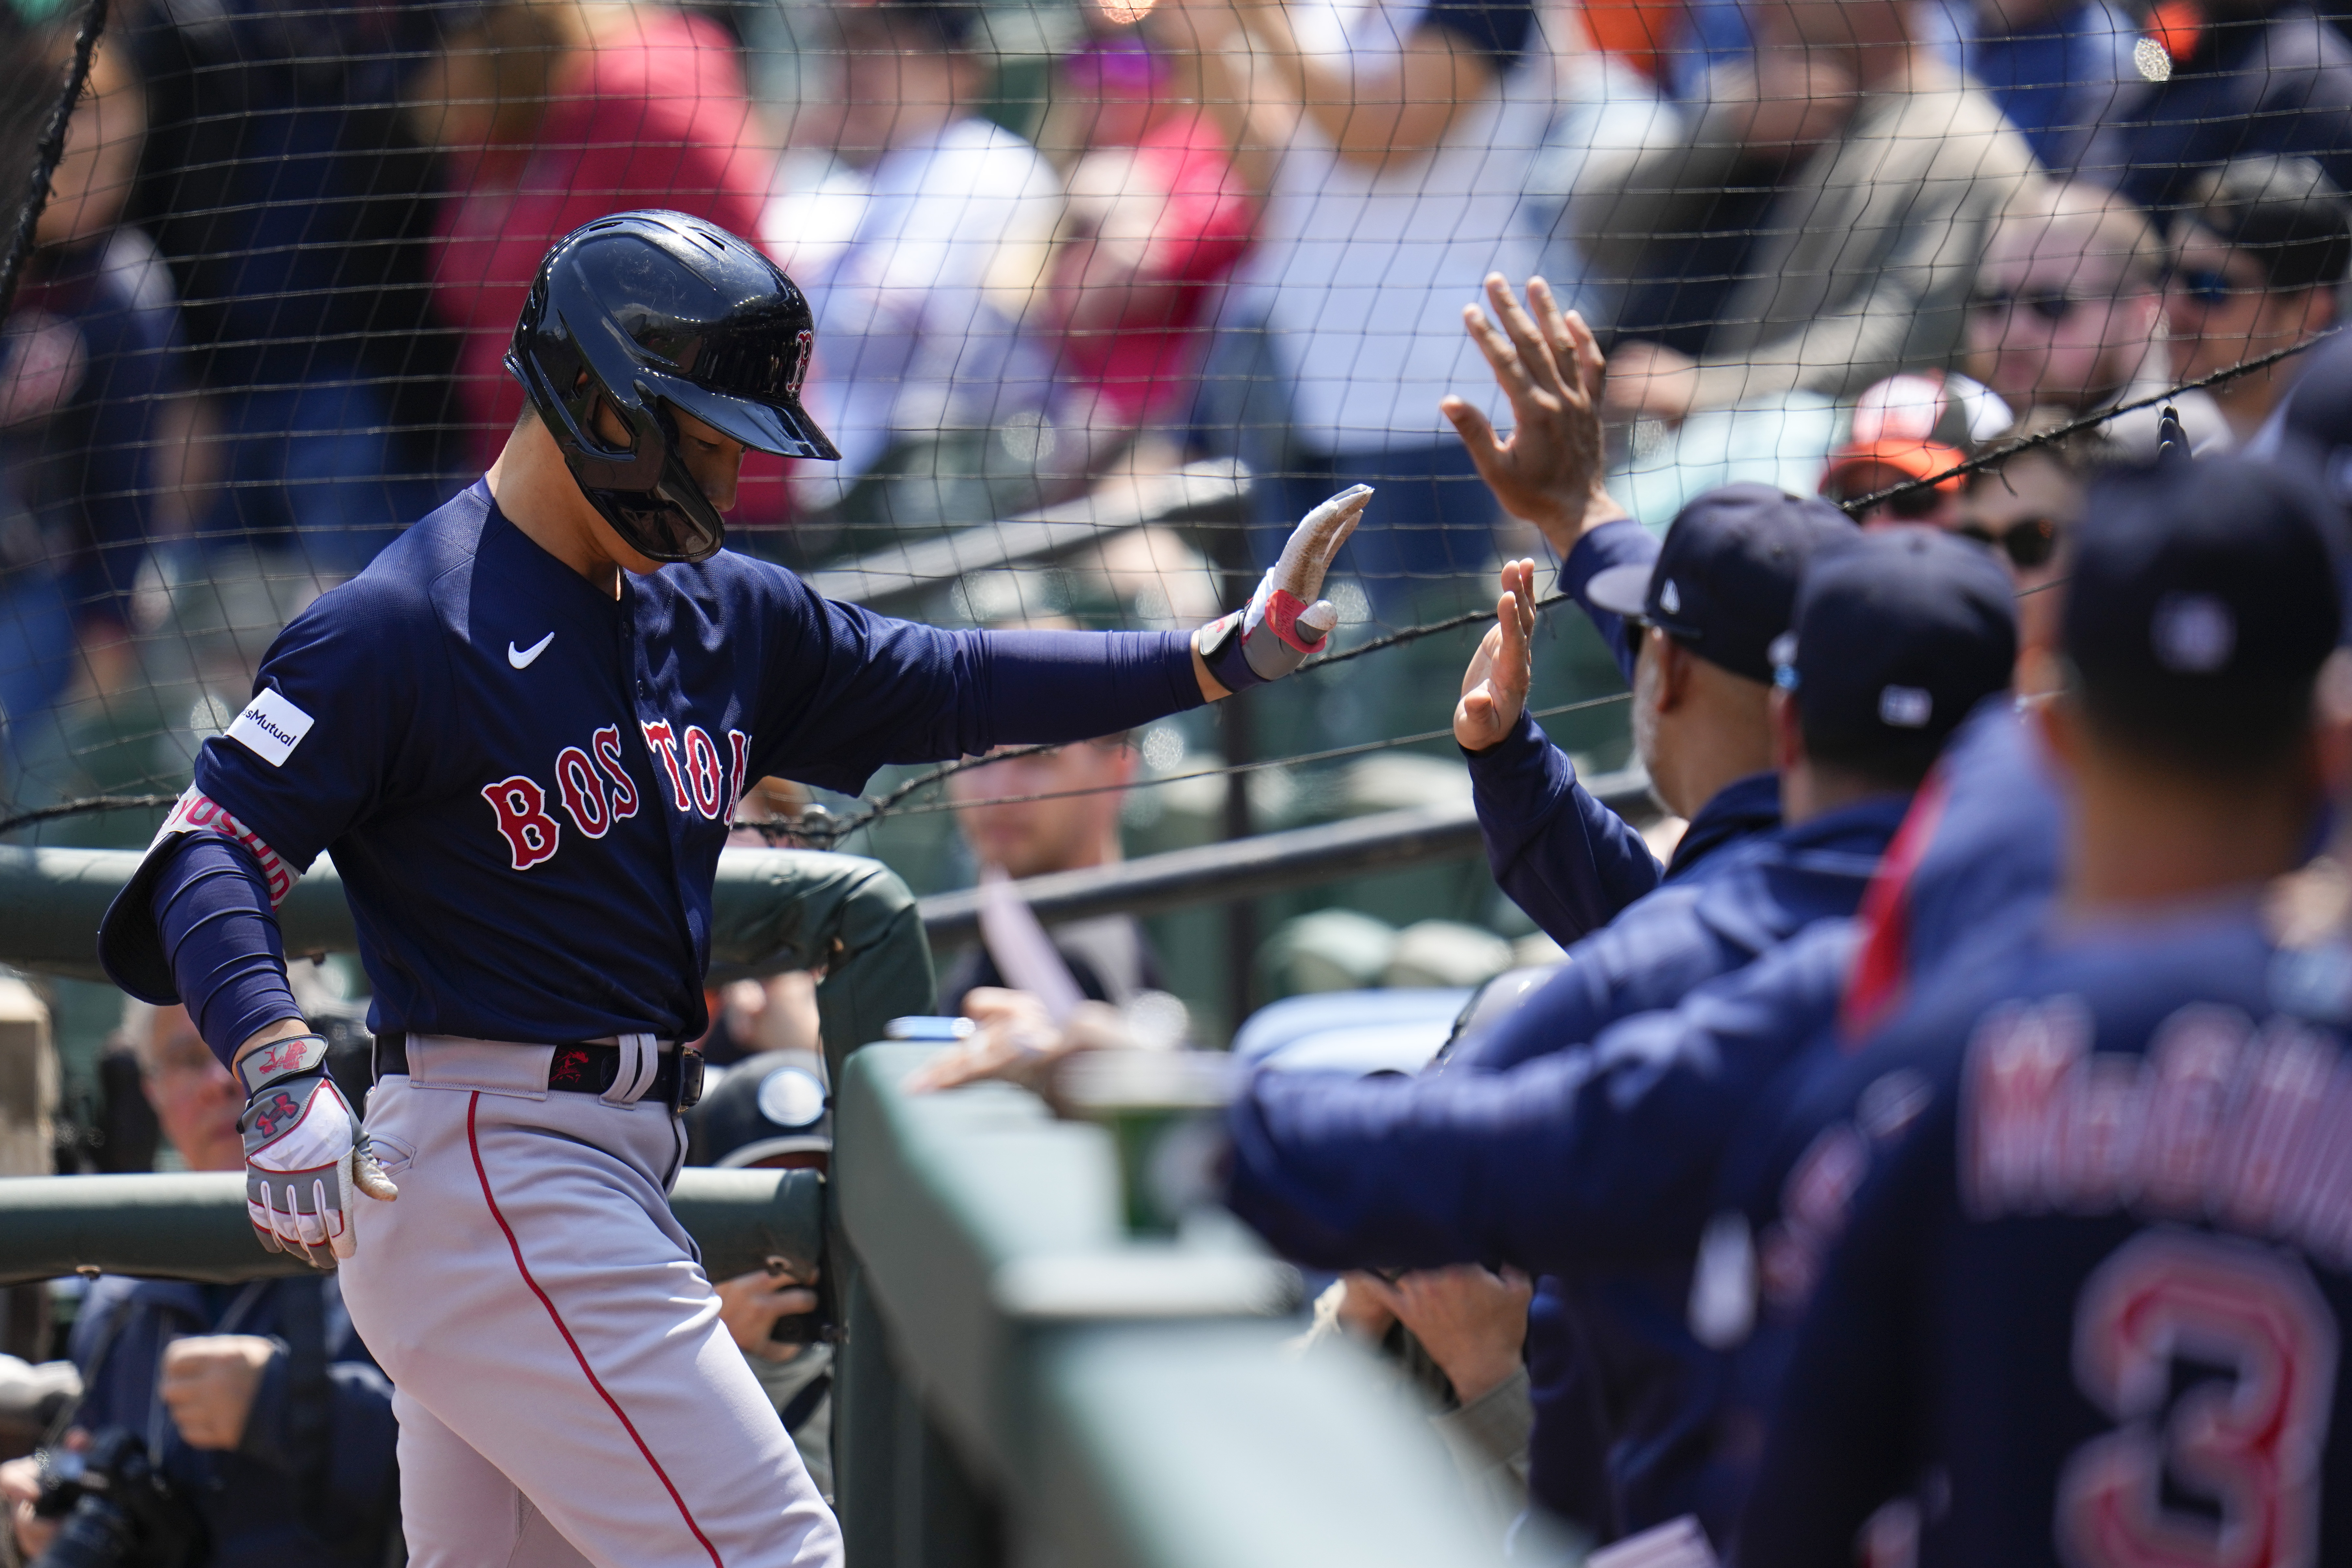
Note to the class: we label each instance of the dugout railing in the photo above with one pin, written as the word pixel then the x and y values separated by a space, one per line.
pixel 1026 1380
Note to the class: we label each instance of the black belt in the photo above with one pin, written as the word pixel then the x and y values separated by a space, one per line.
pixel 584 1069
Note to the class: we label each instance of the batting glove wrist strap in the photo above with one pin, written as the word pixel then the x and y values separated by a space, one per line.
pixel 280 1060
pixel 1267 639
pixel 1287 618
pixel 305 1155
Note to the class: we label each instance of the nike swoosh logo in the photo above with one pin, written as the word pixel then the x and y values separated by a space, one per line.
pixel 520 658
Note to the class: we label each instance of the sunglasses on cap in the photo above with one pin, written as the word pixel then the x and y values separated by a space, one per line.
pixel 2050 305
pixel 1909 505
pixel 2029 542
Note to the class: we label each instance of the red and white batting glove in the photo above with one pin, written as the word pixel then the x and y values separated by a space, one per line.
pixel 1287 618
pixel 305 1152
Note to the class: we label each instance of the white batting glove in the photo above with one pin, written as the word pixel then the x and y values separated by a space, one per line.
pixel 1287 618
pixel 305 1152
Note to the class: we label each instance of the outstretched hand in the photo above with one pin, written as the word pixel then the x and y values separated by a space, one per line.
pixel 1552 368
pixel 1495 687
pixel 1018 1042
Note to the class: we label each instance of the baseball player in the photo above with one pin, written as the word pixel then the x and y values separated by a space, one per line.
pixel 522 731
pixel 2090 1309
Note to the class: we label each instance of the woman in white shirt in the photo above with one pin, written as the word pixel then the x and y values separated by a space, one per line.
pixel 1393 139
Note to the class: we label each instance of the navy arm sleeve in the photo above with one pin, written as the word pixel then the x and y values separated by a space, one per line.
pixel 849 691
pixel 228 957
pixel 1653 956
pixel 1623 543
pixel 1598 1152
pixel 1561 856
pixel 1844 1439
pixel 1074 686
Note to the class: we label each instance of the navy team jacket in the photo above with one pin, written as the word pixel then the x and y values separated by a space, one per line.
pixel 1649 1128
pixel 1567 860
pixel 1566 1159
pixel 1703 1382
pixel 526 785
pixel 1592 1379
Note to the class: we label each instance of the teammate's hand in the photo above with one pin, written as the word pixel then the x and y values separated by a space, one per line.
pixel 20 1488
pixel 305 1152
pixel 1473 1322
pixel 208 1385
pixel 1550 367
pixel 1495 687
pixel 1287 618
pixel 1017 1043
pixel 750 1305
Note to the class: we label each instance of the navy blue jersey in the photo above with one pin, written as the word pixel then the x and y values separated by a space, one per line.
pixel 2089 1309
pixel 526 785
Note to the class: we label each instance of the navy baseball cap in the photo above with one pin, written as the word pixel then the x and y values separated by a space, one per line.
pixel 2202 600
pixel 1724 581
pixel 1899 634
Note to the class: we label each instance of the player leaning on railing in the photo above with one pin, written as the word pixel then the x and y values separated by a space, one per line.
pixel 522 731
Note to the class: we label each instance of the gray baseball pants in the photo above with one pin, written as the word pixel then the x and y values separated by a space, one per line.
pixel 566 1393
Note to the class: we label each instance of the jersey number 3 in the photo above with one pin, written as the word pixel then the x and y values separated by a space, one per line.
pixel 2216 1359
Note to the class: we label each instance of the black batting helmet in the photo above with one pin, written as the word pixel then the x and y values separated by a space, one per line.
pixel 653 311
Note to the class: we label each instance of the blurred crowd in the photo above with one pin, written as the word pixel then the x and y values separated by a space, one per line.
pixel 1052 249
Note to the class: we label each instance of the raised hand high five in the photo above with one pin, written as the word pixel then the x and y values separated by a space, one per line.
pixel 1495 687
pixel 1550 367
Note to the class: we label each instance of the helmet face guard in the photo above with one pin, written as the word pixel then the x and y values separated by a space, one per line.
pixel 653 313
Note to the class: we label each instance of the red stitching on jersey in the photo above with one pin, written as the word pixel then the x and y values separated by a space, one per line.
pixel 473 1145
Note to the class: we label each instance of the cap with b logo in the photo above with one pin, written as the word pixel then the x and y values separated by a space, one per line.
pixel 1724 581
pixel 2202 592
pixel 1898 634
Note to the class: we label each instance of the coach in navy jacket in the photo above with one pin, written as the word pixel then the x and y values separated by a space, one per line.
pixel 1564 858
pixel 1690 625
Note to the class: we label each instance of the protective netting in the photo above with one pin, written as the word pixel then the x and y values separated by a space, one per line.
pixel 1108 293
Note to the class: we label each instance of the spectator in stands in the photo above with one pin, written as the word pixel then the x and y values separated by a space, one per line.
pixel 1108 958
pixel 1156 221
pixel 2054 66
pixel 2222 80
pixel 1876 173
pixel 2259 259
pixel 268 1414
pixel 1393 143
pixel 2066 308
pixel 95 435
pixel 551 115
pixel 2024 509
pixel 902 250
pixel 295 208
